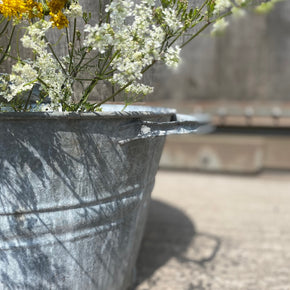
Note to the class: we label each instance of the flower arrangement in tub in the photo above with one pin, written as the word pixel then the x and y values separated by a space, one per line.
pixel 128 38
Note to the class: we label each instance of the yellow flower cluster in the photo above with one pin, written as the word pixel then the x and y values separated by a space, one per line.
pixel 34 8
pixel 56 5
pixel 58 19
pixel 13 8
pixel 29 9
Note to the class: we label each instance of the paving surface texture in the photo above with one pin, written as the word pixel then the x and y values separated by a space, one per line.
pixel 217 232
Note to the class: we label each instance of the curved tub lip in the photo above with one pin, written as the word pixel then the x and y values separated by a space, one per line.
pixel 108 111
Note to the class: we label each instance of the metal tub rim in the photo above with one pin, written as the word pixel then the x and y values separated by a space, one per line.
pixel 108 111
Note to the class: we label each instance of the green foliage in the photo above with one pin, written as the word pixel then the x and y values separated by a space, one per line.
pixel 86 107
pixel 87 17
pixel 266 7
pixel 210 8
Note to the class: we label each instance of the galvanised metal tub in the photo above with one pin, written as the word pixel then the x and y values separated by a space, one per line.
pixel 74 193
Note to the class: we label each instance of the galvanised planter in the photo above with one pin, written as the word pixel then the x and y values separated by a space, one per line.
pixel 74 194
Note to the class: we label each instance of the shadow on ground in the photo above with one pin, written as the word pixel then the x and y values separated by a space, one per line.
pixel 170 234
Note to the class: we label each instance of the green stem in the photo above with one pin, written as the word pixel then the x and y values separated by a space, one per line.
pixel 122 88
pixel 55 56
pixel 88 80
pixel 28 99
pixel 110 72
pixel 87 92
pixel 83 80
pixel 78 67
pixel 4 28
pixel 204 27
pixel 73 45
pixel 105 60
pixel 176 38
pixel 198 15
pixel 8 46
pixel 104 68
pixel 14 58
pixel 196 34
pixel 95 81
pixel 100 12
pixel 201 7
pixel 43 82
pixel 113 95
pixel 67 36
pixel 17 44
pixel 166 39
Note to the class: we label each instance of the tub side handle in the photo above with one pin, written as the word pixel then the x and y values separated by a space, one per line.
pixel 181 124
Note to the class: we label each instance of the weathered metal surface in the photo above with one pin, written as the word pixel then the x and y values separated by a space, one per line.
pixel 74 198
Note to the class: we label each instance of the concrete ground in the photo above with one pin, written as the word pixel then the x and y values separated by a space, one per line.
pixel 218 232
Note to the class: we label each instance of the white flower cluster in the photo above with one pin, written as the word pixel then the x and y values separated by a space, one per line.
pixel 44 69
pixel 240 2
pixel 74 10
pixel 221 6
pixel 219 26
pixel 172 57
pixel 21 79
pixel 170 18
pixel 238 12
pixel 136 41
pixel 127 45
pixel 98 37
pixel 224 5
pixel 34 38
pixel 139 89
